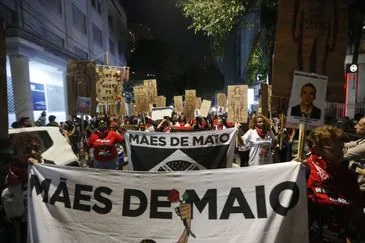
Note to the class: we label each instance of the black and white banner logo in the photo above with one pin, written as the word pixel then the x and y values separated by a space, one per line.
pixel 180 151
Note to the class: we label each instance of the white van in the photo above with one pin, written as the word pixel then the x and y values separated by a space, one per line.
pixel 53 147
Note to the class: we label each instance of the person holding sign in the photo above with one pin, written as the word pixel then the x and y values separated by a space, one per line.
pixel 306 108
pixel 260 139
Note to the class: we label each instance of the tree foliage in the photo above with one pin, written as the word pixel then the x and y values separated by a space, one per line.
pixel 218 18
pixel 215 18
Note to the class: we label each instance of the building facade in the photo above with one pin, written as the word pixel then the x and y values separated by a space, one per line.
pixel 238 48
pixel 356 104
pixel 43 35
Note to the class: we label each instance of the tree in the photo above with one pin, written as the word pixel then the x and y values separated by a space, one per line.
pixel 217 18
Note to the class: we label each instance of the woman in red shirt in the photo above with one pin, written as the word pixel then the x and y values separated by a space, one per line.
pixel 333 192
pixel 103 142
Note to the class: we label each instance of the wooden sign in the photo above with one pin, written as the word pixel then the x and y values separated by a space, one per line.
pixel 81 82
pixel 140 97
pixel 198 102
pixel 221 99
pixel 205 108
pixel 237 103
pixel 189 106
pixel 311 36
pixel 178 102
pixel 151 85
pixel 109 85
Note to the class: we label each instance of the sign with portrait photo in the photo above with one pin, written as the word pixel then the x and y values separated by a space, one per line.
pixel 308 99
pixel 81 82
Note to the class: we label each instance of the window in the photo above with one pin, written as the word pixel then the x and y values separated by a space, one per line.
pixel 111 46
pixel 54 4
pixel 78 19
pixel 110 21
pixel 81 54
pixel 97 35
pixel 93 3
pixel 53 38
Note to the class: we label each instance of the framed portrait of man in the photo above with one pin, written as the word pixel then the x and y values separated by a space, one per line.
pixel 308 99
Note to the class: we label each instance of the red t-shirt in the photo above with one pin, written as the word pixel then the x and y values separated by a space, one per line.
pixel 104 148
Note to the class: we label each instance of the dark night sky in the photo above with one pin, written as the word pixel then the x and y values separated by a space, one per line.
pixel 168 24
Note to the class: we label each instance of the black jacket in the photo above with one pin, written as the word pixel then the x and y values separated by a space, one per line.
pixel 316 113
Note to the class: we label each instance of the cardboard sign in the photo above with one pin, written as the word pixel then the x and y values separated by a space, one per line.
pixel 221 99
pixel 160 101
pixel 178 103
pixel 81 82
pixel 151 85
pixel 205 108
pixel 198 102
pixel 237 103
pixel 311 37
pixel 141 99
pixel 109 85
pixel 190 103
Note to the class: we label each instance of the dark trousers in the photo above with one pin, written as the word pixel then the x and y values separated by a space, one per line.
pixel 244 156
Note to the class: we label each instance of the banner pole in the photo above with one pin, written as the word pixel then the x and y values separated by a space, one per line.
pixel 281 131
pixel 302 128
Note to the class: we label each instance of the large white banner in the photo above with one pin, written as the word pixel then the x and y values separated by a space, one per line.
pixel 256 204
pixel 156 151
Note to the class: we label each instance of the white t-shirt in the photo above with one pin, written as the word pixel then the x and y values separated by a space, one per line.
pixel 260 148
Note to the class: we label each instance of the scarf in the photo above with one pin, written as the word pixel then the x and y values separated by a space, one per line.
pixel 261 132
pixel 17 174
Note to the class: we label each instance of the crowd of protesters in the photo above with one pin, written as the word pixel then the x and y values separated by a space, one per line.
pixel 334 165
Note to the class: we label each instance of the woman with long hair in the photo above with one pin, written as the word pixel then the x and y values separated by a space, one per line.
pixel 259 139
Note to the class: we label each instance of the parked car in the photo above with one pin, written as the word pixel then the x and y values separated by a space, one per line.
pixel 53 147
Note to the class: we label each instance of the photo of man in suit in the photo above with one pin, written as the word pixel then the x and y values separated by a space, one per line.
pixel 306 107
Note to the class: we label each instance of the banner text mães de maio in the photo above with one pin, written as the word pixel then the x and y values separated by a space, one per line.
pixel 232 205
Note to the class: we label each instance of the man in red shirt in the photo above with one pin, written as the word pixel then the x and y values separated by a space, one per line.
pixel 103 142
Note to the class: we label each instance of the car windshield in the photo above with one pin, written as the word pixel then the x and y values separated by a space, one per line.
pixel 43 136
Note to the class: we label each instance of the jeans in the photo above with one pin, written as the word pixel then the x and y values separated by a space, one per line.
pixel 110 164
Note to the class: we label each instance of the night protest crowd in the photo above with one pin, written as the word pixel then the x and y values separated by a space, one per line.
pixel 334 164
